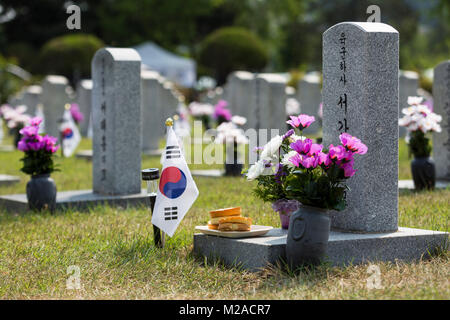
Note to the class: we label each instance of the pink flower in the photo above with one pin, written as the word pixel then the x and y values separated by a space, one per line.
pixel 310 162
pixel 29 131
pixel 36 121
pixel 302 121
pixel 324 159
pixel 336 153
pixel 77 115
pixel 352 143
pixel 315 149
pixel 23 146
pixel 349 171
pixel 302 146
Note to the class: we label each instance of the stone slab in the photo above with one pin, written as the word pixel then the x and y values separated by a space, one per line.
pixel 6 148
pixel 6 180
pixel 253 254
pixel 76 199
pixel 213 173
pixel 157 152
pixel 84 154
pixel 409 184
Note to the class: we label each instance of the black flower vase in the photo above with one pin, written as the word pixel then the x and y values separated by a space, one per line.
pixel 16 136
pixel 41 193
pixel 235 168
pixel 307 240
pixel 424 173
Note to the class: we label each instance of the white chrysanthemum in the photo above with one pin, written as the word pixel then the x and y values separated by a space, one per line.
pixel 255 170
pixel 200 109
pixel 414 100
pixel 238 120
pixel 271 148
pixel 228 132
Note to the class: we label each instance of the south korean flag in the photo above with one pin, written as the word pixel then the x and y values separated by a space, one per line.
pixel 69 133
pixel 177 190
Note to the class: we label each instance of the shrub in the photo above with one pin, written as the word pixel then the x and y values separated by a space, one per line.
pixel 69 55
pixel 232 48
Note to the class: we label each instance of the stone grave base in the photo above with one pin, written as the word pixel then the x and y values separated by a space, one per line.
pixel 77 199
pixel 212 173
pixel 409 184
pixel 155 152
pixel 84 154
pixel 6 148
pixel 6 180
pixel 343 248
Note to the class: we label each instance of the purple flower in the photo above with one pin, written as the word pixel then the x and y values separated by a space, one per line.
pixel 349 171
pixel 315 149
pixel 310 162
pixel 302 121
pixel 220 111
pixel 36 121
pixel 336 153
pixel 29 131
pixel 77 115
pixel 301 146
pixel 288 134
pixel 284 206
pixel 352 143
pixel 23 146
pixel 324 159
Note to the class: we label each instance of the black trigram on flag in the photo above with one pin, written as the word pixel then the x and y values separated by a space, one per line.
pixel 171 213
pixel 173 152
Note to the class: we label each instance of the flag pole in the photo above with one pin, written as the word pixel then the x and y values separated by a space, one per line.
pixel 169 123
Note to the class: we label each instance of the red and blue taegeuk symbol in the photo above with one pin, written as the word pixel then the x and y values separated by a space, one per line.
pixel 172 182
pixel 67 133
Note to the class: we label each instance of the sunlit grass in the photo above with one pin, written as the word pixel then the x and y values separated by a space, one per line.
pixel 114 249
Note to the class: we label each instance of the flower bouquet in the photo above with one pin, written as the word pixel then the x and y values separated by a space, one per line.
pixel 15 119
pixel 221 113
pixel 38 162
pixel 305 180
pixel 292 170
pixel 232 136
pixel 419 120
pixel 202 112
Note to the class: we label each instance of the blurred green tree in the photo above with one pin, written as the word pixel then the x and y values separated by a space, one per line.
pixel 232 48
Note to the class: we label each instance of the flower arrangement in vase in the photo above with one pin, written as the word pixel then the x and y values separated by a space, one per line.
pixel 202 112
pixel 232 136
pixel 419 120
pixel 15 119
pixel 304 179
pixel 38 162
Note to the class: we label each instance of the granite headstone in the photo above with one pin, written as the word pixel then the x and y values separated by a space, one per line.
pixel 408 85
pixel 54 96
pixel 116 110
pixel 309 96
pixel 441 106
pixel 84 100
pixel 360 93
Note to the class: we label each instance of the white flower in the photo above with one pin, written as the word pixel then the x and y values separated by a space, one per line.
pixel 228 132
pixel 414 100
pixel 255 170
pixel 238 120
pixel 200 109
pixel 271 148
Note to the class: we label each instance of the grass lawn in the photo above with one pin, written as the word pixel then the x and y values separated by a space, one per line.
pixel 114 249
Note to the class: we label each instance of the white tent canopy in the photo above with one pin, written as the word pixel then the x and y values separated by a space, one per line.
pixel 175 68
